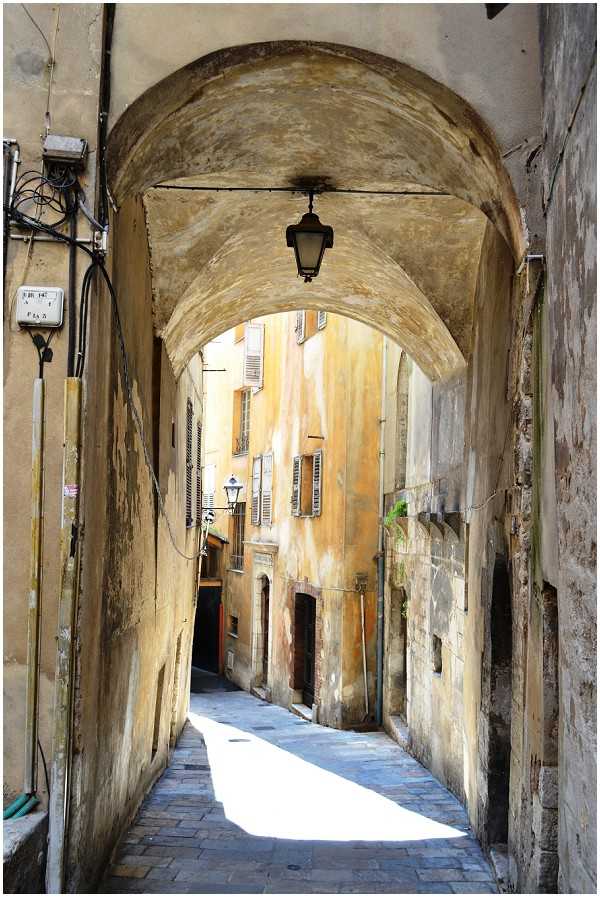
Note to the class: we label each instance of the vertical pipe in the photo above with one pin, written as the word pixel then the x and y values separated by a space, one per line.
pixel 380 552
pixel 63 688
pixel 34 607
pixel 364 652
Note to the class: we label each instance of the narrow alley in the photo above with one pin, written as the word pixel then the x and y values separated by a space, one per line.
pixel 257 800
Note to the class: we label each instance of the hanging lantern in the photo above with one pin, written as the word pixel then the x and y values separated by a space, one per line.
pixel 309 240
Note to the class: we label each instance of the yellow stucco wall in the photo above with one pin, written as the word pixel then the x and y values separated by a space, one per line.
pixel 328 386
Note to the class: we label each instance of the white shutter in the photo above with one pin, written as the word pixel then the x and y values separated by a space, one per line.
pixel 267 490
pixel 296 485
pixel 210 480
pixel 317 483
pixel 321 319
pixel 256 472
pixel 300 326
pixel 253 355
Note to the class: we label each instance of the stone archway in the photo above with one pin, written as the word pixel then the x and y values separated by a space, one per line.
pixel 188 264
pixel 275 115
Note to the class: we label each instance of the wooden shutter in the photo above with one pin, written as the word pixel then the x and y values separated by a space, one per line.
pixel 296 485
pixel 198 472
pixel 267 490
pixel 253 355
pixel 256 474
pixel 189 464
pixel 321 319
pixel 300 326
pixel 317 483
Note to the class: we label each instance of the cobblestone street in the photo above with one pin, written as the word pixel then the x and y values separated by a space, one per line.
pixel 257 800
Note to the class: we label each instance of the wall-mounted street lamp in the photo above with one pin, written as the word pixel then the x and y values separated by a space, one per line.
pixel 309 239
pixel 232 488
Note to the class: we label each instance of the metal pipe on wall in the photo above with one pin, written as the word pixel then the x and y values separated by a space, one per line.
pixel 364 652
pixel 380 552
pixel 67 609
pixel 34 605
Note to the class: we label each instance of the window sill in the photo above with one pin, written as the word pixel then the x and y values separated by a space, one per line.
pixel 232 635
pixel 234 570
pixel 239 454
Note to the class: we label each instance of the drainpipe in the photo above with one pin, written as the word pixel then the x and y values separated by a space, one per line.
pixel 364 651
pixel 33 612
pixel 67 609
pixel 380 554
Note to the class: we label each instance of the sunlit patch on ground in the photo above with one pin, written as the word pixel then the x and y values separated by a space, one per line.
pixel 270 792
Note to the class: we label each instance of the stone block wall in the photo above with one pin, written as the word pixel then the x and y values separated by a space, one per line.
pixel 569 76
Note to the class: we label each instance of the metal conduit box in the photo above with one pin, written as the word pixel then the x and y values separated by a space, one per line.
pixel 40 306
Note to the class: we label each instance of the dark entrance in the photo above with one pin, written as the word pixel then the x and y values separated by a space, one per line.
pixel 205 648
pixel 304 648
pixel 264 607
pixel 500 705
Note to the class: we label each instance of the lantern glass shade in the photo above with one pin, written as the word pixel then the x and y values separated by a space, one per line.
pixel 232 488
pixel 309 239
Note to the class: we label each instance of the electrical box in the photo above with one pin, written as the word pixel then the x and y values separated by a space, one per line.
pixel 68 151
pixel 40 306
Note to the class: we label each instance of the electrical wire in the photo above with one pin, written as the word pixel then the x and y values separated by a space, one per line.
pixel 98 265
pixel 46 776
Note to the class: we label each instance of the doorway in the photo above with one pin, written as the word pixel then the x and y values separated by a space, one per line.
pixel 499 747
pixel 207 629
pixel 304 647
pixel 264 616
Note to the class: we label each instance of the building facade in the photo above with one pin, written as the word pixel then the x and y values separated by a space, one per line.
pixel 299 593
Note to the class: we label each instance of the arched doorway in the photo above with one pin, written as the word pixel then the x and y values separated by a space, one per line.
pixel 499 708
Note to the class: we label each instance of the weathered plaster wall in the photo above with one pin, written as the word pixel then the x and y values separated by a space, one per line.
pixel 425 572
pixel 458 470
pixel 137 596
pixel 568 45
pixel 73 110
pixel 327 387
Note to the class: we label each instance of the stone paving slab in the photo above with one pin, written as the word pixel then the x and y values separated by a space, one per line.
pixel 250 784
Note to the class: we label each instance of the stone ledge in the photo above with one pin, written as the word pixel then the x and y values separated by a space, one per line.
pixel 25 854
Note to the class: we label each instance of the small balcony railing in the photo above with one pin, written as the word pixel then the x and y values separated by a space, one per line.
pixel 241 444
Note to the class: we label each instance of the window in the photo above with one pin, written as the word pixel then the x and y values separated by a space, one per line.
pixel 437 655
pixel 238 521
pixel 210 479
pixel 307 485
pixel 198 473
pixel 262 490
pixel 233 626
pixel 300 326
pixel 307 324
pixel 241 428
pixel 189 463
pixel 253 355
